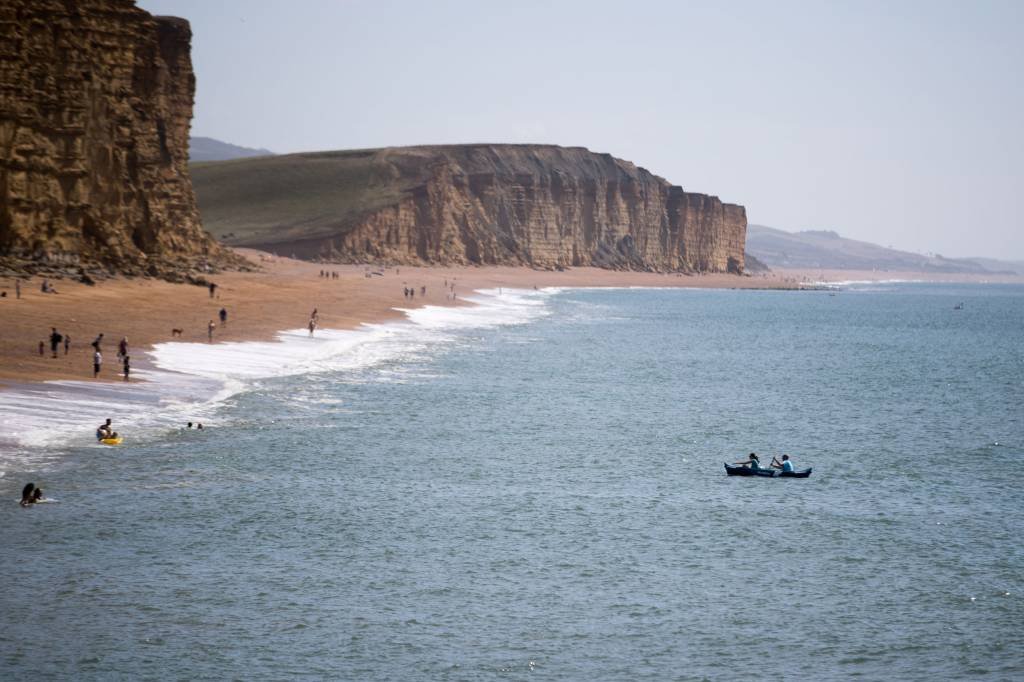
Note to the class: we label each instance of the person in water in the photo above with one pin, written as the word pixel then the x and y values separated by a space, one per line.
pixel 104 430
pixel 786 465
pixel 37 495
pixel 751 462
pixel 26 494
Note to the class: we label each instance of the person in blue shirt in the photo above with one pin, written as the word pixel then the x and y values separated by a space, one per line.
pixel 751 462
pixel 786 465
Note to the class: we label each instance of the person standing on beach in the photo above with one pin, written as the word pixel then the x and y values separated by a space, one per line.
pixel 223 317
pixel 97 341
pixel 213 287
pixel 127 367
pixel 122 347
pixel 97 362
pixel 67 343
pixel 312 326
pixel 209 330
pixel 55 339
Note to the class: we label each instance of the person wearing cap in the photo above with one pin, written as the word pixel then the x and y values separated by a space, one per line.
pixel 751 462
pixel 786 465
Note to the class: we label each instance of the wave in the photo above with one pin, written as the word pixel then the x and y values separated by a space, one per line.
pixel 190 381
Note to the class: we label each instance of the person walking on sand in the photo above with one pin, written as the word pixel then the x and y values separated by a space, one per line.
pixel 97 362
pixel 312 326
pixel 67 343
pixel 209 330
pixel 55 339
pixel 122 347
pixel 223 317
pixel 127 367
pixel 213 288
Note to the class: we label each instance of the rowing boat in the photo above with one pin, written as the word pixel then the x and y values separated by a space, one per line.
pixel 738 470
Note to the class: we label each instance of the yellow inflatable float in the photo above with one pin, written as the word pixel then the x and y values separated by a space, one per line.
pixel 111 441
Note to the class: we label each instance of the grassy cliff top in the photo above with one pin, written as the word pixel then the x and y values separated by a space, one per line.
pixel 281 199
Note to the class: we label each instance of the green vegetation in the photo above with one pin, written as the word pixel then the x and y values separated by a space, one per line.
pixel 281 199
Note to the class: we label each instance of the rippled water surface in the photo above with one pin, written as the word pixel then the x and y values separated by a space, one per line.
pixel 547 500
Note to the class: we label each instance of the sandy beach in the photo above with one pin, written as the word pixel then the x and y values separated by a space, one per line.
pixel 259 304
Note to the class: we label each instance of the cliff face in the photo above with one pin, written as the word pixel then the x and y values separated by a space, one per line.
pixel 538 205
pixel 95 108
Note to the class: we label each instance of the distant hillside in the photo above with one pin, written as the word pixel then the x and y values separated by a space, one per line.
pixel 209 149
pixel 828 251
pixel 539 205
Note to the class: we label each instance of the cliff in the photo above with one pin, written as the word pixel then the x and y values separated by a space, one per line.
pixel 538 205
pixel 95 108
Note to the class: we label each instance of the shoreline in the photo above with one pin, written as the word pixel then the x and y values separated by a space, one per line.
pixel 832 277
pixel 364 318
pixel 263 304
pixel 260 305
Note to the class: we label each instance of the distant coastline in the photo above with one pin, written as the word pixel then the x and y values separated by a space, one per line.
pixel 810 276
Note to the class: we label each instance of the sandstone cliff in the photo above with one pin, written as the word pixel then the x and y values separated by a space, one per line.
pixel 95 108
pixel 538 205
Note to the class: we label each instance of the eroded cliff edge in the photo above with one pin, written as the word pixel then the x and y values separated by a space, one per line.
pixel 95 107
pixel 537 205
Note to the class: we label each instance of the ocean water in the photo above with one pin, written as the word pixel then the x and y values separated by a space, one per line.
pixel 533 489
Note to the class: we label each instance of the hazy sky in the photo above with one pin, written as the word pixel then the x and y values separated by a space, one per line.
pixel 900 123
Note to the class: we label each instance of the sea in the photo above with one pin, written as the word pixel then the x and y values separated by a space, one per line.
pixel 533 488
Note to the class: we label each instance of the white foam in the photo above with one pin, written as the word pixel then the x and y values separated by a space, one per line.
pixel 190 380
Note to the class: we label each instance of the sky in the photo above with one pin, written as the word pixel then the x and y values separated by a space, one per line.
pixel 898 123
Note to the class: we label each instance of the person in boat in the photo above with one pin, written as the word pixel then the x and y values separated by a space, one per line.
pixel 26 494
pixel 751 462
pixel 785 464
pixel 104 430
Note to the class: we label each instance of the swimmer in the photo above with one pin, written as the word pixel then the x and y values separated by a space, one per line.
pixel 104 430
pixel 26 494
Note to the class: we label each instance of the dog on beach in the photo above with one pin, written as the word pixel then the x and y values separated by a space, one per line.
pixel 175 332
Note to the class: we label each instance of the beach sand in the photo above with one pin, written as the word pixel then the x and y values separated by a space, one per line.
pixel 259 304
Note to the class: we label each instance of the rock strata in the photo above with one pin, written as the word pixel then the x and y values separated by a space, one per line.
pixel 95 108
pixel 537 205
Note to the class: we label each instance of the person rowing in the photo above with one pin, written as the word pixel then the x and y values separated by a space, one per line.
pixel 751 462
pixel 785 464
